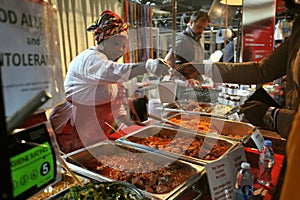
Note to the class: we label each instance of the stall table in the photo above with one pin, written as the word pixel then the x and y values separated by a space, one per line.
pixel 252 155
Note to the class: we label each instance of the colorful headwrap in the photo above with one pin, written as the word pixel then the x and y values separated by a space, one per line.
pixel 107 25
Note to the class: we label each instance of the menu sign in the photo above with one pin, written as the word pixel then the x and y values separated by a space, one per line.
pixel 220 179
pixel 236 157
pixel 29 53
pixel 258 28
pixel 221 174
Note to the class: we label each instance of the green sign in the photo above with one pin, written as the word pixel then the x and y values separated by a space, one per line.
pixel 32 161
pixel 32 168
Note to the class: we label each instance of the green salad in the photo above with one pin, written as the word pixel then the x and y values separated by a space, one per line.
pixel 105 191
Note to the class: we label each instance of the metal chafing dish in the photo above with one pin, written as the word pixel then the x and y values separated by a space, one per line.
pixel 199 108
pixel 228 129
pixel 115 150
pixel 180 144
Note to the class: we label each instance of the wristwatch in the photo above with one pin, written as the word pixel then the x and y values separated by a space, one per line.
pixel 269 118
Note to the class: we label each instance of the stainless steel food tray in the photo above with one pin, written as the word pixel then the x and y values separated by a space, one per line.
pixel 228 129
pixel 113 148
pixel 182 141
pixel 179 107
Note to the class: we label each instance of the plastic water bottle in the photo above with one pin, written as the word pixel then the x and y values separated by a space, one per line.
pixel 244 183
pixel 266 163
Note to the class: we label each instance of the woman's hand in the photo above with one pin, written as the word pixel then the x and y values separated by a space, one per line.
pixel 158 67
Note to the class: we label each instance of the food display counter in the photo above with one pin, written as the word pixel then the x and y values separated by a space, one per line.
pixel 157 176
pixel 200 108
pixel 180 144
pixel 167 162
pixel 157 173
pixel 206 125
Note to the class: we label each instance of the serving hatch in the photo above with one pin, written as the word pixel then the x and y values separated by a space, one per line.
pixel 180 144
pixel 156 176
pixel 228 129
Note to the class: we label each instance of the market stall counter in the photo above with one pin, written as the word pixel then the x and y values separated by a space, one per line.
pixel 252 155
pixel 260 192
pixel 194 186
pixel 264 192
pixel 155 175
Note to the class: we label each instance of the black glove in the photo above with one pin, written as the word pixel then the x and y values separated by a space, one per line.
pixel 254 112
pixel 157 67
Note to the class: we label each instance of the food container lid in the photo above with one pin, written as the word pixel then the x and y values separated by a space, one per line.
pixel 245 165
pixel 268 143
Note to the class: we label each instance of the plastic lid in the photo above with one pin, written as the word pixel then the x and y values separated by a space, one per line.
pixel 245 165
pixel 268 143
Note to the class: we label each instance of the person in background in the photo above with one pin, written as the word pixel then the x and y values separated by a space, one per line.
pixel 188 47
pixel 284 60
pixel 228 50
pixel 95 96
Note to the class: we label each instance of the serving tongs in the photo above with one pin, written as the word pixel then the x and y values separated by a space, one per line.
pixel 156 117
pixel 232 111
pixel 116 131
pixel 66 167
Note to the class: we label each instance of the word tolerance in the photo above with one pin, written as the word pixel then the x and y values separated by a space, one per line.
pixel 16 59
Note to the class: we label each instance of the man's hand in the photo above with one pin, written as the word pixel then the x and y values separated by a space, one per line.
pixel 188 70
pixel 193 83
pixel 254 112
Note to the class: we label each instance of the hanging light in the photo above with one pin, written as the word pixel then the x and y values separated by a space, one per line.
pixel 232 2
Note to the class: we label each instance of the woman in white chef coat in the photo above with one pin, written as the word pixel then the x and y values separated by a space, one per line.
pixel 93 85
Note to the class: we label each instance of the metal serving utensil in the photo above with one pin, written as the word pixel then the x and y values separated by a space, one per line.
pixel 116 131
pixel 156 117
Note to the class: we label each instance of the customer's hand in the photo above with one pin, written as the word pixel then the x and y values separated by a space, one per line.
pixel 158 67
pixel 193 83
pixel 254 112
pixel 188 70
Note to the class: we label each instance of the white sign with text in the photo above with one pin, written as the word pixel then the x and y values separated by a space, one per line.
pixel 258 139
pixel 29 53
pixel 221 174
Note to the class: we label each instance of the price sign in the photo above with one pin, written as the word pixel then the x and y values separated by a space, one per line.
pixel 33 161
pixel 221 174
pixel 220 179
pixel 258 139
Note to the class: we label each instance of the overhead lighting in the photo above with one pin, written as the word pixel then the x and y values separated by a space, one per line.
pixel 232 2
